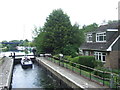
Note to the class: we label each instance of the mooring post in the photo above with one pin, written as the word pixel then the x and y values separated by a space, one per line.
pixel 11 55
pixel 14 55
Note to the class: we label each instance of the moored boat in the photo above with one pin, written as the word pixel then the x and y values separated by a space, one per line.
pixel 26 62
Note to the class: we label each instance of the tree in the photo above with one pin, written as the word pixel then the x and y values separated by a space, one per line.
pixel 90 27
pixel 111 22
pixel 39 43
pixel 12 47
pixel 5 46
pixel 58 35
pixel 36 31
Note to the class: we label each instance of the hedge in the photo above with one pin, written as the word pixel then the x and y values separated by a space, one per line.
pixel 88 61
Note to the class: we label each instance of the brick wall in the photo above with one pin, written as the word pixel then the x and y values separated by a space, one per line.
pixel 112 60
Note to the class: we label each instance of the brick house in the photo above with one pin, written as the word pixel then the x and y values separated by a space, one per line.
pixel 104 44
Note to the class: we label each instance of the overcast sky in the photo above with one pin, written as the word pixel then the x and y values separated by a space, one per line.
pixel 18 17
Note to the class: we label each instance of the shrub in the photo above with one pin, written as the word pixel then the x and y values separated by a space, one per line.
pixel 67 58
pixel 57 55
pixel 116 71
pixel 75 59
pixel 105 75
pixel 88 61
pixel 98 63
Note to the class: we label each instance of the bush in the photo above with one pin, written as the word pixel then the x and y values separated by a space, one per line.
pixel 75 59
pixel 105 75
pixel 106 70
pixel 57 55
pixel 98 63
pixel 88 61
pixel 116 71
pixel 67 58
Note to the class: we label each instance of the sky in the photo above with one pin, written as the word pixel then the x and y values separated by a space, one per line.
pixel 18 17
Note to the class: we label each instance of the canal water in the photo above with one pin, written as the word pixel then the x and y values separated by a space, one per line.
pixel 35 77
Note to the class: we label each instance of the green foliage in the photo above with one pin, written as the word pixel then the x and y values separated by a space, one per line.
pixel 75 59
pixel 39 43
pixel 58 35
pixel 12 47
pixel 90 27
pixel 57 55
pixel 88 61
pixel 111 22
pixel 4 45
pixel 70 50
pixel 26 51
pixel 102 69
pixel 67 57
pixel 98 63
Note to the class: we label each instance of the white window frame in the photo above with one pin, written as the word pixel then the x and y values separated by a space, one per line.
pixel 99 56
pixel 89 36
pixel 86 53
pixel 101 34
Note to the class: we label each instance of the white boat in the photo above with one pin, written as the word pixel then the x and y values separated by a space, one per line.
pixel 26 62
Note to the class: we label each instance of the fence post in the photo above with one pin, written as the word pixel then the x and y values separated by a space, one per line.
pixel 90 75
pixel 111 81
pixel 59 61
pixel 103 77
pixel 66 65
pixel 63 62
pixel 80 69
pixel 72 66
pixel 54 60
pixel 116 82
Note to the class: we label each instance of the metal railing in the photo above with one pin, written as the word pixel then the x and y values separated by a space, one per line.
pixel 104 78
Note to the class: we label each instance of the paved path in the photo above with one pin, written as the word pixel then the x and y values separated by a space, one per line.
pixel 5 72
pixel 75 78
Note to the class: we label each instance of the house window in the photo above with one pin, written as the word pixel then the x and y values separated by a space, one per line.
pixel 100 56
pixel 86 53
pixel 101 37
pixel 89 37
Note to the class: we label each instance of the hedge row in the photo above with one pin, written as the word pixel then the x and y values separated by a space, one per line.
pixel 88 61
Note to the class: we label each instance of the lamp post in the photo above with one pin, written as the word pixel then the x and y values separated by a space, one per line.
pixel 61 56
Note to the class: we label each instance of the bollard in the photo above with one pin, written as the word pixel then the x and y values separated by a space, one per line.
pixel 14 55
pixel 5 88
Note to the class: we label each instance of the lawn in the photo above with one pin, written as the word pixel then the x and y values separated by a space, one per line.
pixel 87 74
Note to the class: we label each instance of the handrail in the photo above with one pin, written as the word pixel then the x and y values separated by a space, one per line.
pixel 90 74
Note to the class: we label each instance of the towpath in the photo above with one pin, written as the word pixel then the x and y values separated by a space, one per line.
pixel 73 77
pixel 6 72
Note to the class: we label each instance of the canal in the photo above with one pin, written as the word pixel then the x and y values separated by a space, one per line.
pixel 35 77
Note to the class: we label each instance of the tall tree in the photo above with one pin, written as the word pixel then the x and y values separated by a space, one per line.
pixel 58 30
pixel 58 35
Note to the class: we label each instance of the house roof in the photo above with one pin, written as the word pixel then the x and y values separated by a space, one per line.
pixel 102 46
pixel 102 28
pixel 94 46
